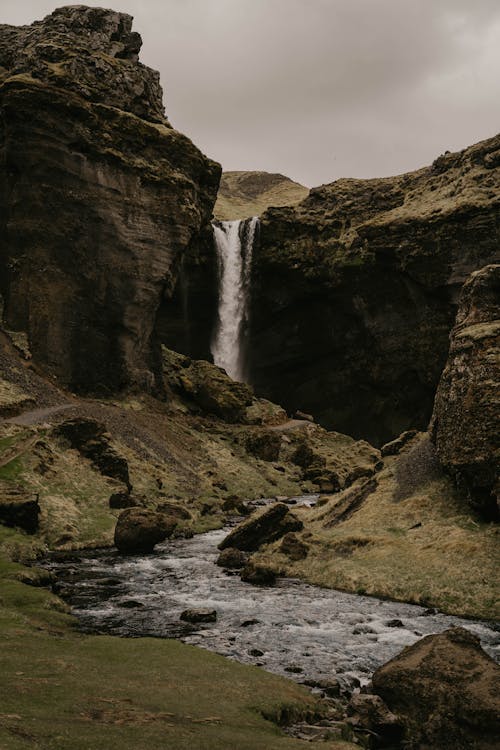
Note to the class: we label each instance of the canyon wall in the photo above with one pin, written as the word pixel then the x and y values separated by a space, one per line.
pixel 99 198
pixel 355 290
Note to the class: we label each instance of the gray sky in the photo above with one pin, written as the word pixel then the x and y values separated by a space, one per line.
pixel 319 89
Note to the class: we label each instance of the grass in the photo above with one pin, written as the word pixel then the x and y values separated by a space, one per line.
pixel 420 543
pixel 61 690
pixel 244 194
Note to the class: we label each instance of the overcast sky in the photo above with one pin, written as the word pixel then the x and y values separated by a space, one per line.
pixel 319 89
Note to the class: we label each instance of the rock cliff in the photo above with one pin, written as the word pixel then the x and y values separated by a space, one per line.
pixel 355 290
pixel 466 418
pixel 99 198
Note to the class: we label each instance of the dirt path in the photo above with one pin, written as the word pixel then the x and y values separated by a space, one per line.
pixel 35 416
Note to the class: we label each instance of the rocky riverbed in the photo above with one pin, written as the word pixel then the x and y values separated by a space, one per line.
pixel 293 629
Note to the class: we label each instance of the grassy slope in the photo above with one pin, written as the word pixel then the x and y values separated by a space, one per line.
pixel 449 560
pixel 64 691
pixel 244 194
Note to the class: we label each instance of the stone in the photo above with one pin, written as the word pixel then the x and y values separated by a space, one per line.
pixel 258 575
pixel 120 500
pixel 395 446
pixel 19 508
pixel 262 528
pixel 174 510
pixel 195 616
pixel 138 530
pixel 264 445
pixel 208 386
pixel 90 162
pixel 293 547
pixel 89 437
pixel 371 713
pixel 331 687
pixel 466 419
pixel 445 690
pixel 231 558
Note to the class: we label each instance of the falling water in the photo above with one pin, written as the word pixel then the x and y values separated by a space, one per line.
pixel 234 244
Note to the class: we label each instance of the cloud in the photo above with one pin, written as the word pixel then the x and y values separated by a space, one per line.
pixel 319 89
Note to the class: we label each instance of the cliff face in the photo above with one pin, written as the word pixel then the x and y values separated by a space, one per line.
pixel 466 418
pixel 245 194
pixel 99 197
pixel 355 290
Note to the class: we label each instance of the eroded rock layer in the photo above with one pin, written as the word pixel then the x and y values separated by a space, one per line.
pixel 99 197
pixel 466 418
pixel 355 290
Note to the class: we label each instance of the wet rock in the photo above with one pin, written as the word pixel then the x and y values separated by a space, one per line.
pixel 331 688
pixel 138 530
pixel 19 508
pixel 293 547
pixel 294 669
pixel 263 528
pixel 232 558
pixel 199 615
pixel 445 690
pixel 258 575
pixel 131 604
pixel 394 624
pixel 466 418
pixel 256 652
pixel 371 713
pixel 248 623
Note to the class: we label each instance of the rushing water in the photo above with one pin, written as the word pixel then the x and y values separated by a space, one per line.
pixel 234 245
pixel 293 629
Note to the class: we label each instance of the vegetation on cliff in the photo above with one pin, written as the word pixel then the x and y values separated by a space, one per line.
pixel 244 194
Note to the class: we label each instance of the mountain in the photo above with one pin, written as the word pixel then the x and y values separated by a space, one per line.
pixel 244 194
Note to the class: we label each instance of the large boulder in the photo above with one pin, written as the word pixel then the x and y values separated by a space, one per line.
pixel 466 419
pixel 138 530
pixel 19 508
pixel 99 198
pixel 262 528
pixel 446 692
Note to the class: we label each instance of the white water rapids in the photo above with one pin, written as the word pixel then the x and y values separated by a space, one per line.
pixel 234 245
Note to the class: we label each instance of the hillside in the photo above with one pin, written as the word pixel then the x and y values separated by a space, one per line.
pixel 243 194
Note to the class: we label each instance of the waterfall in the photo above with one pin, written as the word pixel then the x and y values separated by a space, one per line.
pixel 234 245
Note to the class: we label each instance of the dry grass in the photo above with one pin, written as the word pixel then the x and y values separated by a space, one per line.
pixel 244 194
pixel 418 543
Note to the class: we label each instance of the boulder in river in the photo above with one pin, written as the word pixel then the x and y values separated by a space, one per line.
pixel 199 615
pixel 231 558
pixel 138 530
pixel 371 713
pixel 445 689
pixel 262 528
pixel 258 575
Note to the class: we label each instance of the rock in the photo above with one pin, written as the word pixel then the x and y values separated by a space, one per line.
pixel 466 418
pixel 19 508
pixel 138 530
pixel 331 688
pixel 174 510
pixel 120 500
pixel 370 712
pixel 445 690
pixel 394 624
pixel 256 652
pixel 248 623
pixel 243 194
pixel 355 289
pixel 294 669
pixel 89 437
pixel 302 415
pixel 262 528
pixel 258 575
pixel 293 547
pixel 199 615
pixel 84 127
pixel 231 558
pixel 395 446
pixel 235 506
pixel 36 577
pixel 264 445
pixel 209 387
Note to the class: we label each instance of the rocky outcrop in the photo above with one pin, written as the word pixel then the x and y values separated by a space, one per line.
pixel 262 528
pixel 244 194
pixel 445 691
pixel 19 508
pixel 99 198
pixel 466 419
pixel 138 530
pixel 355 291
